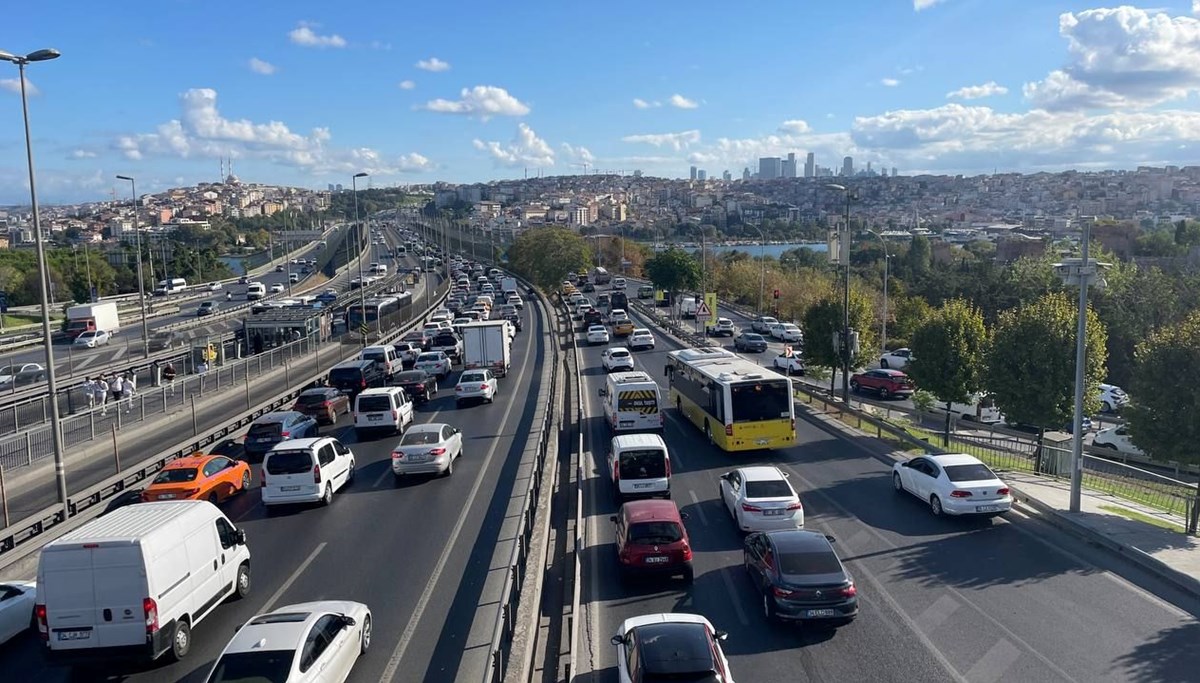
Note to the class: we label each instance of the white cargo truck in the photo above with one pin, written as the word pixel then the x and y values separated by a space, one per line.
pixel 487 344
pixel 92 317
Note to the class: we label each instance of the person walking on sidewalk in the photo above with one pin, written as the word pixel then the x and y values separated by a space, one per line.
pixel 116 385
pixel 128 387
pixel 101 394
pixel 89 390
pixel 168 376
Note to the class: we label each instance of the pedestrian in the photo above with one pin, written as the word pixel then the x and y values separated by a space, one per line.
pixel 102 394
pixel 128 387
pixel 168 375
pixel 117 387
pixel 202 368
pixel 89 390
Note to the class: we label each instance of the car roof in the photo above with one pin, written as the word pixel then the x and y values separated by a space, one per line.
pixel 761 473
pixel 799 540
pixel 663 618
pixel 297 444
pixel 890 372
pixel 426 427
pixel 944 459
pixel 278 416
pixel 188 462
pixel 675 648
pixel 373 391
pixel 636 440
pixel 651 511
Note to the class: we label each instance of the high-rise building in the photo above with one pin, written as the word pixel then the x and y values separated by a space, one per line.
pixel 702 175
pixel 693 173
pixel 848 166
pixel 810 166
pixel 893 171
pixel 727 176
pixel 789 166
pixel 746 173
pixel 770 168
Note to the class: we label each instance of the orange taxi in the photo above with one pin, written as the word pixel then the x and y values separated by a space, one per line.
pixel 199 477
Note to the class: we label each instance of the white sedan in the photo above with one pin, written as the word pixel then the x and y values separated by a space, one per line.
pixel 789 365
pixel 616 358
pixel 480 384
pixel 641 338
pixel 429 448
pixel 434 363
pixel 16 608
pixel 215 287
pixel 789 332
pixel 761 499
pixel 277 288
pixel 897 359
pixel 597 334
pixel 1117 439
pixel 311 641
pixel 952 484
pixel 92 338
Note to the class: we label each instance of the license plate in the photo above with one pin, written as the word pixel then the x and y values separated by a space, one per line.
pixel 987 508
pixel 166 496
pixel 82 634
pixel 626 423
pixel 417 458
pixel 658 559
pixel 820 613
pixel 773 513
pixel 289 488
pixel 762 442
pixel 264 439
pixel 374 417
pixel 643 486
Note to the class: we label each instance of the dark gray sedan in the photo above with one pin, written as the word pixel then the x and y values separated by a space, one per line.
pixel 750 341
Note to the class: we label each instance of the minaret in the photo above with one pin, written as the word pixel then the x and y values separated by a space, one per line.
pixel 221 178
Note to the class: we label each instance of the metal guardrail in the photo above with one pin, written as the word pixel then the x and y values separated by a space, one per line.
pixel 29 530
pixel 580 536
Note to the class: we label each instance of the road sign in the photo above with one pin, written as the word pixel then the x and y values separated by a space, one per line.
pixel 364 329
pixel 702 311
pixel 710 304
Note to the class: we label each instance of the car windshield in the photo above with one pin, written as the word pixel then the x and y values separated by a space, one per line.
pixel 377 403
pixel 800 564
pixel 422 438
pixel 375 355
pixel 654 532
pixel 260 666
pixel 265 429
pixel 647 464
pixel 289 462
pixel 472 377
pixel 315 399
pixel 774 488
pixel 428 358
pixel 766 400
pixel 178 475
pixel 969 472
pixel 411 377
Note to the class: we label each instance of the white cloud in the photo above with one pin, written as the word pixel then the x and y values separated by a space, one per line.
pixel 482 101
pixel 794 127
pixel 1122 57
pixel 203 132
pixel 407 85
pixel 643 104
pixel 676 141
pixel 578 155
pixel 13 85
pixel 680 102
pixel 433 64
pixel 919 5
pixel 889 82
pixel 526 149
pixel 305 36
pixel 1195 6
pixel 258 66
pixel 975 92
pixel 82 154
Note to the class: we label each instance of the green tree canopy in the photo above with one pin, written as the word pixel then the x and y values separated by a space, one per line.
pixel 545 255
pixel 824 319
pixel 1031 367
pixel 673 270
pixel 948 354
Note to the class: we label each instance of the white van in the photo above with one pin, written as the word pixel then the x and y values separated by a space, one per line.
pixel 135 582
pixel 379 269
pixel 381 408
pixel 632 402
pixel 305 471
pixel 255 290
pixel 385 357
pixel 640 465
pixel 171 286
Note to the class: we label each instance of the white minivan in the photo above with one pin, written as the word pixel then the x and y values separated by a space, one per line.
pixel 255 290
pixel 305 471
pixel 135 582
pixel 632 402
pixel 640 465
pixel 382 408
pixel 386 358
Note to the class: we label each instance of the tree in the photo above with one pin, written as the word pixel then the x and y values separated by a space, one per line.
pixel 1030 369
pixel 948 354
pixel 919 256
pixel 545 255
pixel 824 319
pixel 1162 416
pixel 673 271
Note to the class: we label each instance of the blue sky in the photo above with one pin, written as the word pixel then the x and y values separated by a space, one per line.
pixel 307 93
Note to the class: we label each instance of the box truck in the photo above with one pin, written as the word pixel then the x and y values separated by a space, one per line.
pixel 91 317
pixel 487 344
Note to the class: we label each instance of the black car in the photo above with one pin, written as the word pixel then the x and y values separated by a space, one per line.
pixel 419 385
pixel 419 337
pixel 206 308
pixel 800 577
pixel 587 287
pixel 277 427
pixel 592 317
pixel 352 376
pixel 749 341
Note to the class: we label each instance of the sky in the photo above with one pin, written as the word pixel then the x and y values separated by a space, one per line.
pixel 308 93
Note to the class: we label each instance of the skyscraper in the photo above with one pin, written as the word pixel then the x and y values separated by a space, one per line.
pixel 702 175
pixel 769 168
pixel 893 171
pixel 727 176
pixel 746 173
pixel 789 166
pixel 693 173
pixel 848 166
pixel 810 166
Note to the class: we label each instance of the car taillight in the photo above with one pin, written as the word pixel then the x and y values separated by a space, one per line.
pixel 262 477
pixel 316 474
pixel 1002 491
pixel 781 592
pixel 668 463
pixel 285 434
pixel 960 494
pixel 191 492
pixel 796 506
pixel 363 383
pixel 39 611
pixel 150 609
pixel 326 404
pixel 458 388
pixel 437 451
pixel 747 507
pixel 728 430
pixel 397 455
pixel 849 591
pixel 395 415
pixel 687 552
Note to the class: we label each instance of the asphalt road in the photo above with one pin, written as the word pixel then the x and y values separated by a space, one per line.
pixel 416 553
pixel 941 599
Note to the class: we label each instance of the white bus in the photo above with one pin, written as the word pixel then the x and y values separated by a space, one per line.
pixel 170 286
pixel 632 402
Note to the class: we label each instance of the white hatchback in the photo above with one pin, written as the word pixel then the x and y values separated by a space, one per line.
pixel 305 471
pixel 597 334
pixel 616 358
pixel 761 499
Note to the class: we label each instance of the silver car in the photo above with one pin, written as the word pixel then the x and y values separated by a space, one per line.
pixel 428 448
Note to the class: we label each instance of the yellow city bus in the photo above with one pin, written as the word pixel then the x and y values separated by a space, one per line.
pixel 738 405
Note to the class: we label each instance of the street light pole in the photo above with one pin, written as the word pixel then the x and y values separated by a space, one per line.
pixel 845 258
pixel 137 233
pixel 362 286
pixel 762 257
pixel 887 258
pixel 60 465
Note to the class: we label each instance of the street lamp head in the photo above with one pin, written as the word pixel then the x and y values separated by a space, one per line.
pixel 8 57
pixel 124 177
pixel 43 55
pixel 361 174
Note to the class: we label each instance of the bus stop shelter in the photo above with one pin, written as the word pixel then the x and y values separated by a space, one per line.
pixel 283 326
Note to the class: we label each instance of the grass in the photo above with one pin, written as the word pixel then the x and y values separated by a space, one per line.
pixel 21 319
pixel 1139 517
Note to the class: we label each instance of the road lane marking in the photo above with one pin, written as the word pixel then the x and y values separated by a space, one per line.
pixel 994 663
pixel 733 596
pixel 699 510
pixel 936 614
pixel 384 473
pixel 270 603
pixel 414 619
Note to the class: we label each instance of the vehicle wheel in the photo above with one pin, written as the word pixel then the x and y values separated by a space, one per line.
pixel 884 394
pixel 449 468
pixel 491 398
pixel 246 480
pixel 897 484
pixel 853 386
pixel 708 432
pixel 883 364
pixel 181 641
pixel 1106 407
pixel 689 576
pixel 769 608
pixel 242 585
pixel 327 498
pixel 332 417
pixel 366 635
pixel 352 472
pixel 935 505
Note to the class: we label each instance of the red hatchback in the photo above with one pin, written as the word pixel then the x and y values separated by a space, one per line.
pixel 651 539
pixel 886 383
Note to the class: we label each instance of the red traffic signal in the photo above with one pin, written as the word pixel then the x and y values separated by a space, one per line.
pixel 777 294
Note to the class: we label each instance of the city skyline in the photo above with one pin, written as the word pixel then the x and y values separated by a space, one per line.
pixel 310 98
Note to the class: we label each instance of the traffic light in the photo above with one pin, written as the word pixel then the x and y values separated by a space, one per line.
pixel 777 294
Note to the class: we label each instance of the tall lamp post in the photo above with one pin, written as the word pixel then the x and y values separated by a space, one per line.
pixel 60 466
pixel 844 256
pixel 887 257
pixel 762 258
pixel 362 286
pixel 137 233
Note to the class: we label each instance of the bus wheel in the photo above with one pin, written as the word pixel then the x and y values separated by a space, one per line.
pixel 708 432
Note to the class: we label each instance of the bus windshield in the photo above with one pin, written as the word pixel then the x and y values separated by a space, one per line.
pixel 766 400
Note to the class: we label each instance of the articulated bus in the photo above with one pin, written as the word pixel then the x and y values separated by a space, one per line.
pixel 383 314
pixel 738 405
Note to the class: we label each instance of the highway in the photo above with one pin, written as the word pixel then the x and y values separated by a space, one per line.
pixel 941 599
pixel 416 553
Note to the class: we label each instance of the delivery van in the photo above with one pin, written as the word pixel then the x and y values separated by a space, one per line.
pixel 640 466
pixel 632 402
pixel 134 583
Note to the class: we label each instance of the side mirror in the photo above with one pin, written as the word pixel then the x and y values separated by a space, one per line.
pixel 241 537
pixel 612 518
pixel 786 475
pixel 720 635
pixel 603 391
pixel 684 516
pixel 617 640
pixel 348 621
pixel 831 539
